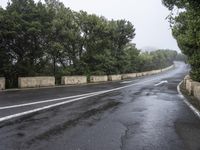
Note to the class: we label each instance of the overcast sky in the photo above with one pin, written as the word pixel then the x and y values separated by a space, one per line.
pixel 148 17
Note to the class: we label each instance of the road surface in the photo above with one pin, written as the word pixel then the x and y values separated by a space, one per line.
pixel 142 114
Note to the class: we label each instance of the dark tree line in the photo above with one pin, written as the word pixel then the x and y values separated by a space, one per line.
pixel 51 39
pixel 186 30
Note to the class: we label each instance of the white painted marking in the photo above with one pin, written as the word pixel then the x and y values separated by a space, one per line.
pixel 196 111
pixel 69 101
pixel 42 108
pixel 45 101
pixel 160 83
pixel 126 82
pixel 51 100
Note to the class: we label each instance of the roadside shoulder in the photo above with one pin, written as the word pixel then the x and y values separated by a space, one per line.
pixel 188 99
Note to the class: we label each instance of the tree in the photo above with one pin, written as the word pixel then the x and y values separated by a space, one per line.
pixel 50 39
pixel 186 30
pixel 122 32
pixel 21 34
pixel 132 58
pixel 183 4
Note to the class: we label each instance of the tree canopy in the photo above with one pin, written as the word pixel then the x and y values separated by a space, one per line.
pixel 183 4
pixel 51 39
pixel 186 30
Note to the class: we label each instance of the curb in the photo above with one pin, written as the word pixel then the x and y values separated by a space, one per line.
pixel 86 84
pixel 195 111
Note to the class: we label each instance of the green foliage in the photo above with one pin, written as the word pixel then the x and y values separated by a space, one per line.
pixel 50 39
pixel 186 30
pixel 183 4
pixel 156 60
pixel 181 57
pixel 195 66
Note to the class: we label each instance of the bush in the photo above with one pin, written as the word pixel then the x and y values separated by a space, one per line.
pixel 194 61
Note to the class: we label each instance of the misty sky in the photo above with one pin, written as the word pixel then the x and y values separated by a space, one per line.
pixel 148 17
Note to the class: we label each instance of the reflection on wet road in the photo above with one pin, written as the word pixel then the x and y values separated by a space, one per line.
pixel 139 117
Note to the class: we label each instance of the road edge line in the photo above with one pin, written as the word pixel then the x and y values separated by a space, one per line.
pixel 194 110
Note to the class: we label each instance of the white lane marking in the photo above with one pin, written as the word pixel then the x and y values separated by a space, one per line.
pixel 69 101
pixel 126 82
pixel 51 100
pixel 45 101
pixel 160 83
pixel 195 111
pixel 42 108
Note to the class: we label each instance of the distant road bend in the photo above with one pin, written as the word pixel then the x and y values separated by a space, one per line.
pixel 141 114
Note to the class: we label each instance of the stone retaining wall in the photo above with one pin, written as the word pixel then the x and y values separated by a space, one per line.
pixel 140 74
pixel 192 87
pixel 196 91
pixel 114 77
pixel 145 73
pixel 72 80
pixel 129 75
pixel 2 83
pixel 151 72
pixel 46 81
pixel 94 79
pixel 156 71
pixel 31 82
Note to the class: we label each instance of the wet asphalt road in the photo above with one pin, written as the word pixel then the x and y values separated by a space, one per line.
pixel 140 117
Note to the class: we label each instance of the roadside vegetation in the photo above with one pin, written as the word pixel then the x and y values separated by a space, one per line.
pixel 185 23
pixel 51 39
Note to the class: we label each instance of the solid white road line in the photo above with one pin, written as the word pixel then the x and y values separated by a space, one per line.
pixel 55 100
pixel 68 101
pixel 42 108
pixel 160 83
pixel 45 101
pixel 196 111
pixel 126 82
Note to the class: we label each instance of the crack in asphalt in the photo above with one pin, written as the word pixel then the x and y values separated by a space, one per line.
pixel 124 137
